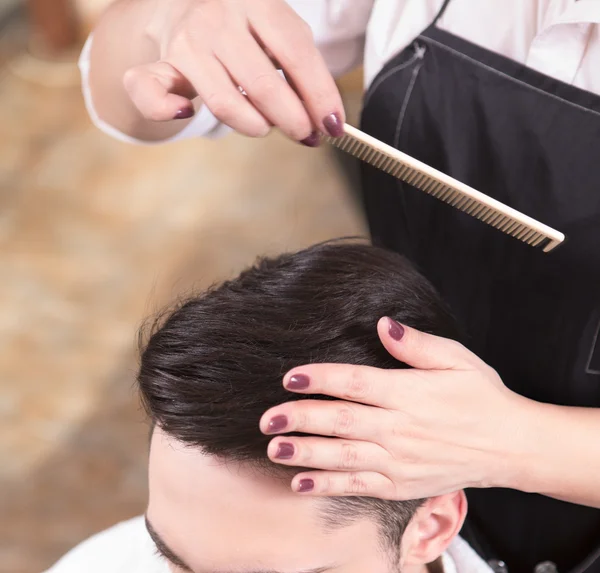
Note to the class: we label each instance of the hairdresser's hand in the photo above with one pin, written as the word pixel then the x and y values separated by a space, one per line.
pixel 209 48
pixel 447 424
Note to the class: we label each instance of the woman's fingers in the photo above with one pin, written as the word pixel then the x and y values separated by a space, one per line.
pixel 327 418
pixel 327 453
pixel 363 384
pixel 160 92
pixel 224 99
pixel 401 434
pixel 211 49
pixel 385 388
pixel 423 351
pixel 265 87
pixel 291 43
pixel 346 484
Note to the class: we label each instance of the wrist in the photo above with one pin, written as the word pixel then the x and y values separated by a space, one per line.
pixel 528 446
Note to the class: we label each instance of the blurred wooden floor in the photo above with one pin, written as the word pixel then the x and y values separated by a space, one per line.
pixel 94 235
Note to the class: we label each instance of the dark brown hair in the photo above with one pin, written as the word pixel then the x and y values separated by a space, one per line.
pixel 215 364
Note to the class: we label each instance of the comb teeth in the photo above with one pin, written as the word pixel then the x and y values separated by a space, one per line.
pixel 498 216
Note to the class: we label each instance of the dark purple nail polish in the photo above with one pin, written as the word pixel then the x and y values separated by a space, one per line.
pixel 298 382
pixel 184 113
pixel 285 451
pixel 334 126
pixel 277 424
pixel 395 329
pixel 313 140
pixel 306 485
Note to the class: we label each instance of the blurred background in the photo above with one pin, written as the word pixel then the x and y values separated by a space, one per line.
pixel 94 236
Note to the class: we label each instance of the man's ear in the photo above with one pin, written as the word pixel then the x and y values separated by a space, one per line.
pixel 433 527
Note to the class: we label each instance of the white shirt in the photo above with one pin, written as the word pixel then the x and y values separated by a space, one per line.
pixel 559 38
pixel 127 548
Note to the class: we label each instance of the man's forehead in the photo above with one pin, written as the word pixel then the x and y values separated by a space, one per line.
pixel 193 484
pixel 238 518
pixel 168 553
pixel 178 464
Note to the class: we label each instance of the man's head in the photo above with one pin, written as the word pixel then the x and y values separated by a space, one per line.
pixel 212 368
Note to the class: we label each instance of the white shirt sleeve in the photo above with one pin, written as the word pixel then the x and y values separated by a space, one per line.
pixel 339 30
pixel 124 548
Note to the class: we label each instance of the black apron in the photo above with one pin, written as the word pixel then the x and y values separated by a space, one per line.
pixel 533 143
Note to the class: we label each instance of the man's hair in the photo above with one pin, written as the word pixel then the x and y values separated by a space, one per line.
pixel 215 364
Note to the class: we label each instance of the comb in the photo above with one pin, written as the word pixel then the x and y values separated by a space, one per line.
pixel 446 188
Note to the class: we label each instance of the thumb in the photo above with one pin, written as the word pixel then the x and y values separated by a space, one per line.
pixel 421 350
pixel 160 92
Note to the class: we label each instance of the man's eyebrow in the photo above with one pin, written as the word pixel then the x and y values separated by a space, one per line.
pixel 315 570
pixel 164 549
pixel 170 555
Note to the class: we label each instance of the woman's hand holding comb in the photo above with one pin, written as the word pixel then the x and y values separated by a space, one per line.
pixel 224 52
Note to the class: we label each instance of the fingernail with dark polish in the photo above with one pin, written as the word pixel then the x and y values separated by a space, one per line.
pixel 285 451
pixel 334 126
pixel 298 382
pixel 313 140
pixel 395 329
pixel 277 424
pixel 184 113
pixel 306 485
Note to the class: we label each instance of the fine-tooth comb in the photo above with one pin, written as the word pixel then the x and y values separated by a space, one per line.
pixel 447 189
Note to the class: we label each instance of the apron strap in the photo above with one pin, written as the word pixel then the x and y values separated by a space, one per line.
pixel 441 12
